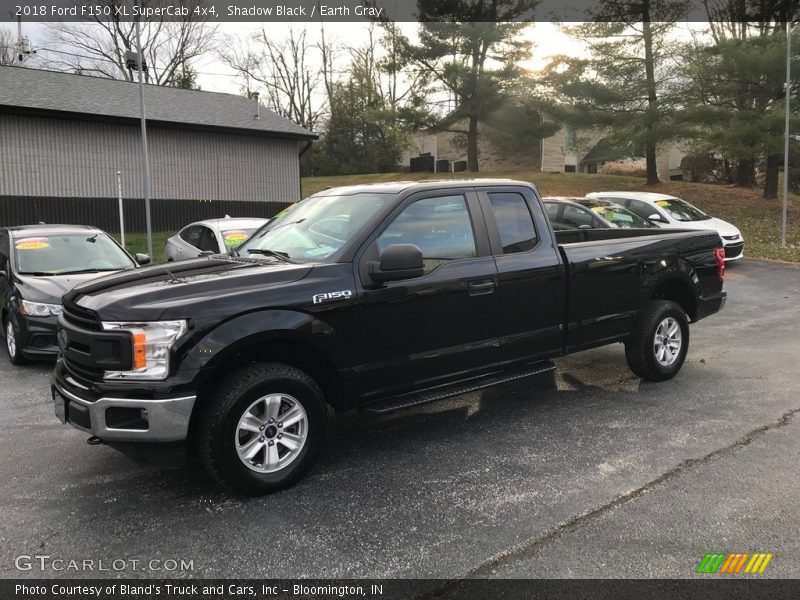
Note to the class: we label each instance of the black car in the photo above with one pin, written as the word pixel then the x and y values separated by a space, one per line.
pixel 591 213
pixel 38 264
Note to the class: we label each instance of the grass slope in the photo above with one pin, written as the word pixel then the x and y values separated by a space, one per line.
pixel 758 219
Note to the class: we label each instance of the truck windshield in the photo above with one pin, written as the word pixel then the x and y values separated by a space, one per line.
pixel 314 229
pixel 64 254
pixel 681 210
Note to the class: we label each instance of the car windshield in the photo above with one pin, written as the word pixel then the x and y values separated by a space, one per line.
pixel 63 254
pixel 681 211
pixel 619 216
pixel 314 229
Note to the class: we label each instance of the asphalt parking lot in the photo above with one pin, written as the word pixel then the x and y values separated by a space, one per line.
pixel 588 473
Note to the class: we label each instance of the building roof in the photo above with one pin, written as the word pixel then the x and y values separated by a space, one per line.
pixel 29 91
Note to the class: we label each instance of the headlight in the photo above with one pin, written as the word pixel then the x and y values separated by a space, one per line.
pixel 152 342
pixel 39 309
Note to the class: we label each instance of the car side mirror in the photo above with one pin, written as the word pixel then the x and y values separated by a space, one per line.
pixel 657 217
pixel 398 261
pixel 142 259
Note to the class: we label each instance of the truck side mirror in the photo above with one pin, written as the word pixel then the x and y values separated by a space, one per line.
pixel 658 218
pixel 142 259
pixel 398 261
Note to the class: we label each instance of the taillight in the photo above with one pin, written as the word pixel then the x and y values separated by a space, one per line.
pixel 719 254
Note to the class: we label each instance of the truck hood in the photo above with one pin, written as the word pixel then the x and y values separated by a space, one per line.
pixel 200 287
pixel 50 288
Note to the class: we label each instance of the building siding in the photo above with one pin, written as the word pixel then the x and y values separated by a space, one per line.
pixel 48 157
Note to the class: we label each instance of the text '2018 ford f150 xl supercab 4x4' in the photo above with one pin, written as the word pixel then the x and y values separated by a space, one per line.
pixel 376 296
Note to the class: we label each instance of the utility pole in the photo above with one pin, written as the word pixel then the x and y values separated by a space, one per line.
pixel 23 48
pixel 121 212
pixel 145 157
pixel 786 131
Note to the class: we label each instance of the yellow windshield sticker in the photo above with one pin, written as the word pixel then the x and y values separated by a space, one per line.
pixel 662 203
pixel 234 237
pixel 32 244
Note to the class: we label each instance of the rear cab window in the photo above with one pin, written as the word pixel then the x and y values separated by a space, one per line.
pixel 514 221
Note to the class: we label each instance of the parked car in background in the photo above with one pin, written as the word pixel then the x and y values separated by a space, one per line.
pixel 671 212
pixel 38 264
pixel 588 213
pixel 212 236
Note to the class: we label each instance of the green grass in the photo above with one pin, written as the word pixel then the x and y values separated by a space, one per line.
pixel 758 219
pixel 137 242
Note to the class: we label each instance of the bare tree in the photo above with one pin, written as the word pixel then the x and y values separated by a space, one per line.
pixel 8 54
pixel 294 72
pixel 98 48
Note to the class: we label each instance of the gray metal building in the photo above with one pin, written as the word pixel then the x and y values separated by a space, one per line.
pixel 63 138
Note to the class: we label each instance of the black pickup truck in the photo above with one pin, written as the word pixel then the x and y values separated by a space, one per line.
pixel 377 297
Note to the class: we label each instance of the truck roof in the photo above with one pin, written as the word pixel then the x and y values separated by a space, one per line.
pixel 395 187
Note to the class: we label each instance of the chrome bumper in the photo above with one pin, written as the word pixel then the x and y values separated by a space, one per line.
pixel 167 420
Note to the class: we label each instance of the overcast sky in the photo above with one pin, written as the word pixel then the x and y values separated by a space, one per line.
pixel 215 75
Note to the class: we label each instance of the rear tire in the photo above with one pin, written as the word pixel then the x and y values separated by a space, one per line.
pixel 12 343
pixel 242 439
pixel 659 341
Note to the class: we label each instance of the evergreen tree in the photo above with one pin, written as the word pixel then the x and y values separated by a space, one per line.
pixel 471 49
pixel 624 86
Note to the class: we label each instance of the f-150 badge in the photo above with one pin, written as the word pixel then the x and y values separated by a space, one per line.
pixel 343 294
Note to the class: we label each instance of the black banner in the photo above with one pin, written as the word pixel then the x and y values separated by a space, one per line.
pixel 316 11
pixel 391 589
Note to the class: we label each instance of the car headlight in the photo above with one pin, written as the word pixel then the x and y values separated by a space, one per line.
pixel 39 309
pixel 152 342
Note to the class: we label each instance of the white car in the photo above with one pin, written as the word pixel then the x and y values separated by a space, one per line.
pixel 212 236
pixel 670 212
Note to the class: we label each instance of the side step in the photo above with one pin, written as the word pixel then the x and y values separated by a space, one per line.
pixel 456 389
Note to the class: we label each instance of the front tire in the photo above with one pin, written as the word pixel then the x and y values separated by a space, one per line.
pixel 12 343
pixel 261 429
pixel 659 341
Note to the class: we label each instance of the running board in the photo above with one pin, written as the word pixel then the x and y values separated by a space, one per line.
pixel 456 389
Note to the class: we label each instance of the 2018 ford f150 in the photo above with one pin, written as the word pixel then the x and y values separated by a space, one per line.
pixel 377 297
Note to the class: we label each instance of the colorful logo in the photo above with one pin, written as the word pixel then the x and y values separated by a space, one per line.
pixel 734 563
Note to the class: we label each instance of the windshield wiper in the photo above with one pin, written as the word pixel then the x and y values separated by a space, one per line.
pixel 280 255
pixel 80 271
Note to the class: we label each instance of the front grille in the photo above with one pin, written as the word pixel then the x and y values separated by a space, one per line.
pixel 733 250
pixel 83 374
pixel 81 317
pixel 730 237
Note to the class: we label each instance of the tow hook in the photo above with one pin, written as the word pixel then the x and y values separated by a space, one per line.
pixel 94 441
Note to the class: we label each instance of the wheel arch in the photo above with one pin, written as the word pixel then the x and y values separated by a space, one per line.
pixel 228 347
pixel 678 288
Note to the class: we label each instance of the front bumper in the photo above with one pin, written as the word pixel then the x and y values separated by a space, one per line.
pixel 733 250
pixel 120 419
pixel 37 337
